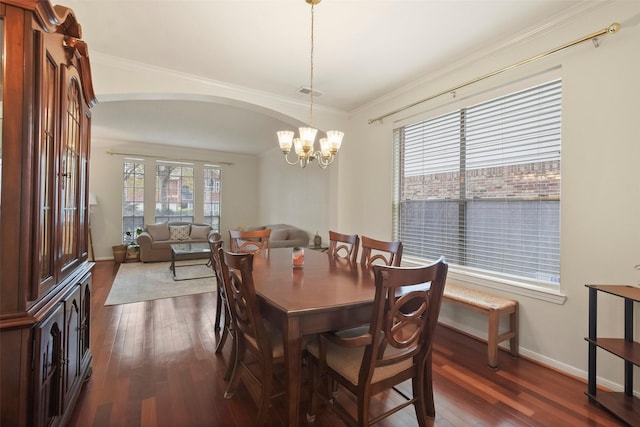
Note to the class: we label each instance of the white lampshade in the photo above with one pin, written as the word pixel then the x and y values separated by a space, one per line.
pixel 335 140
pixel 93 201
pixel 308 138
pixel 325 148
pixel 297 145
pixel 285 139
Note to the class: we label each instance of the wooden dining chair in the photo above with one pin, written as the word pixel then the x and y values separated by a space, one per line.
pixel 250 241
pixel 343 246
pixel 259 346
pixel 223 313
pixel 215 241
pixel 376 251
pixel 396 347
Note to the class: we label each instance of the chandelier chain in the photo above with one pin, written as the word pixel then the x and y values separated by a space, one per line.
pixel 311 68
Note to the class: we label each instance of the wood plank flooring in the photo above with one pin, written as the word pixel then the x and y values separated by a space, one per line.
pixel 154 365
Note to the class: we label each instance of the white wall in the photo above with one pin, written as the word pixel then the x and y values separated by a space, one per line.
pixel 600 210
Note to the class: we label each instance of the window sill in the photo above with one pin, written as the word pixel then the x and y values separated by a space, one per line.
pixel 477 279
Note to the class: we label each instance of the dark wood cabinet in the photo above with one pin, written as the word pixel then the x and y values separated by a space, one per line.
pixel 45 277
pixel 623 404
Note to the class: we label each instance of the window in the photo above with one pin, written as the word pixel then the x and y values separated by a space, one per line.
pixel 174 192
pixel 132 198
pixel 481 186
pixel 212 197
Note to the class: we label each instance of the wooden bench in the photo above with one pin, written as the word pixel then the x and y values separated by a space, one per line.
pixel 494 307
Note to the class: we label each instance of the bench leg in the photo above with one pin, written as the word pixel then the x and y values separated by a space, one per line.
pixel 514 343
pixel 492 341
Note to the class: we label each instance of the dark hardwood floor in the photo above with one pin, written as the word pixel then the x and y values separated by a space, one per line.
pixel 154 365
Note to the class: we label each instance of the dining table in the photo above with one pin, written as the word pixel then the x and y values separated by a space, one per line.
pixel 324 294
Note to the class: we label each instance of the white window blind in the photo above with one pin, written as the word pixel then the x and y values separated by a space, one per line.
pixel 481 185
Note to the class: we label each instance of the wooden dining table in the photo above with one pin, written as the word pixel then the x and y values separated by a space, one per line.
pixel 325 294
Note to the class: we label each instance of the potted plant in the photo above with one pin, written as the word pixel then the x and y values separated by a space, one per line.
pixel 132 247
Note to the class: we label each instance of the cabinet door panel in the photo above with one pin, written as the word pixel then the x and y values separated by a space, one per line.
pixel 71 366
pixel 49 358
pixel 85 319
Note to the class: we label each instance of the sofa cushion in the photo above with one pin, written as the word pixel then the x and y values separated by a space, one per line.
pixel 179 232
pixel 199 232
pixel 279 234
pixel 159 231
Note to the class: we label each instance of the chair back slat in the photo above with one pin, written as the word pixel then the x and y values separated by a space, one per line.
pixel 343 246
pixel 250 241
pixel 243 303
pixel 215 242
pixel 406 309
pixel 377 251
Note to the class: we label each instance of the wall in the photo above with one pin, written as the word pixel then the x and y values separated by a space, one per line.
pixel 600 211
pixel 301 197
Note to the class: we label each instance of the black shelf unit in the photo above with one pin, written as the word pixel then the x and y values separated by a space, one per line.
pixel 623 404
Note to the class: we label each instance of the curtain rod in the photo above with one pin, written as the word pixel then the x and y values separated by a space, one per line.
pixel 170 159
pixel 611 29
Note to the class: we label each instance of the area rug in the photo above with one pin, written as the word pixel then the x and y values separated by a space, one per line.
pixel 140 281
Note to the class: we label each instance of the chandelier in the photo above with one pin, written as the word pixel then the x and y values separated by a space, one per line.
pixel 304 145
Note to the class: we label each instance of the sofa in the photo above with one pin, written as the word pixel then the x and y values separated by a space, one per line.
pixel 156 239
pixel 285 236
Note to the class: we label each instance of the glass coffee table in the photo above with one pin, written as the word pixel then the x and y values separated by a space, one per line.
pixel 187 251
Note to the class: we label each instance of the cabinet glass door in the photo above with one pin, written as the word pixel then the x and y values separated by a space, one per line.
pixel 47 184
pixel 71 167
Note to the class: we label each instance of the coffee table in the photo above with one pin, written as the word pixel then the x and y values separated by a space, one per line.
pixel 184 251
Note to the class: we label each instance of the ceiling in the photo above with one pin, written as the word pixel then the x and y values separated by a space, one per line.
pixel 363 50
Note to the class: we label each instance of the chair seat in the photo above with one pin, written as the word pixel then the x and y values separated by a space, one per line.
pixel 348 360
pixel 275 337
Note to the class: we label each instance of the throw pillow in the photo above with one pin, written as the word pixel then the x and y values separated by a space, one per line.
pixel 159 231
pixel 200 232
pixel 179 232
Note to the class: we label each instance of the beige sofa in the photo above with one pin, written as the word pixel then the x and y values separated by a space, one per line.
pixel 156 239
pixel 285 236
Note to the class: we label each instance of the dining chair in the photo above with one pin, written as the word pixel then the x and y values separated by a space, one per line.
pixel 373 251
pixel 223 312
pixel 343 245
pixel 215 241
pixel 250 241
pixel 258 345
pixel 396 347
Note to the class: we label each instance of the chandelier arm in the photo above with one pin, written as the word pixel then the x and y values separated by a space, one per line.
pixel 323 165
pixel 321 159
pixel 286 158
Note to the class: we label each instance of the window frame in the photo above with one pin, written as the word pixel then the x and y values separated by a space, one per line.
pixel 179 196
pixel 459 273
pixel 132 237
pixel 216 190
